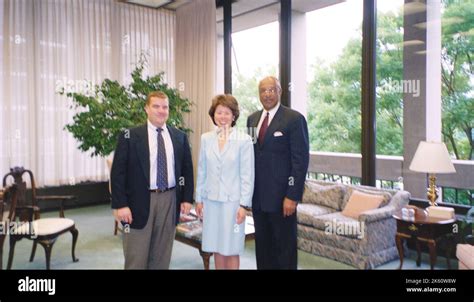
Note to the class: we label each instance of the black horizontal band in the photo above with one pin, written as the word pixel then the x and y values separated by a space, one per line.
pixel 161 191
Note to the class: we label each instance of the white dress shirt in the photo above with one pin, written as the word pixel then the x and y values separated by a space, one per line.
pixel 272 113
pixel 153 145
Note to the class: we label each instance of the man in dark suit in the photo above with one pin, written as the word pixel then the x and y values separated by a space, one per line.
pixel 152 182
pixel 281 163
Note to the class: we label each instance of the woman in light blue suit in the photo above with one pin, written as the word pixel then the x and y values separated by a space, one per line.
pixel 224 184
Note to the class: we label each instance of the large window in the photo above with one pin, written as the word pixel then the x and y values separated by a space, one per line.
pixel 390 81
pixel 457 80
pixel 407 88
pixel 251 64
pixel 334 43
pixel 457 63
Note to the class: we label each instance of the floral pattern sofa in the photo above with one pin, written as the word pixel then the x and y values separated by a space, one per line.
pixel 365 242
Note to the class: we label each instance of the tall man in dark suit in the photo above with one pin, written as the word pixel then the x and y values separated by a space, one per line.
pixel 152 182
pixel 281 163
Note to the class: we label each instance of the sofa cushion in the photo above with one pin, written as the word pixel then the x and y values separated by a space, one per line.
pixel 307 212
pixel 45 226
pixel 387 196
pixel 360 202
pixel 327 196
pixel 338 224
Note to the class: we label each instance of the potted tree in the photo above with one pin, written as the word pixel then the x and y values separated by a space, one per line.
pixel 110 108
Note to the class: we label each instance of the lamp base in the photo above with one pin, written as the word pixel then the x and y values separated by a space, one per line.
pixel 432 191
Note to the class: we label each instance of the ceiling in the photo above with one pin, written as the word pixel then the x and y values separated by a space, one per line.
pixel 251 13
pixel 245 13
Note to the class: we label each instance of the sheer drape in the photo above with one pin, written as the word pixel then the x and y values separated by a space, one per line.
pixel 195 63
pixel 56 43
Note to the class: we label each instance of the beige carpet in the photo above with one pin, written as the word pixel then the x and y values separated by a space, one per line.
pixel 98 248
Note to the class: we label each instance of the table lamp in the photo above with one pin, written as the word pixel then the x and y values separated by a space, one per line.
pixel 432 158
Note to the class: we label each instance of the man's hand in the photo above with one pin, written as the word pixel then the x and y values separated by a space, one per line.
pixel 123 214
pixel 199 207
pixel 289 207
pixel 186 207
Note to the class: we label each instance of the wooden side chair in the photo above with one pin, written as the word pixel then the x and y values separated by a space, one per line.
pixel 44 231
pixel 7 201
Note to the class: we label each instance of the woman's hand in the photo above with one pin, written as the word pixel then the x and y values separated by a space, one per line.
pixel 199 208
pixel 241 213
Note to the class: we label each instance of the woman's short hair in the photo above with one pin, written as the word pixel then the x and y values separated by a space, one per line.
pixel 226 100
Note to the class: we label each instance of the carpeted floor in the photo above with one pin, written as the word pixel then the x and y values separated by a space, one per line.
pixel 98 248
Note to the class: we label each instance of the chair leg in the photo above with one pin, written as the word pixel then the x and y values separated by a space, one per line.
pixel 33 251
pixel 75 234
pixel 11 252
pixel 48 246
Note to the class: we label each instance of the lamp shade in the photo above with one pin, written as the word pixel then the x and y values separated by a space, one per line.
pixel 432 157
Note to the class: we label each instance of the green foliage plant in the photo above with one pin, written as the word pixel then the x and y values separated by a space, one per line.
pixel 110 108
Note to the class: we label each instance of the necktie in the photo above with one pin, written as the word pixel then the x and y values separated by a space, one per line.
pixel 263 129
pixel 162 167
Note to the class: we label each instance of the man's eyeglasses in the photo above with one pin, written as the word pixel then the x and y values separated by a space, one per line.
pixel 269 90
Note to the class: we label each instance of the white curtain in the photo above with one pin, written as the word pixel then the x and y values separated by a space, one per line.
pixel 46 44
pixel 195 64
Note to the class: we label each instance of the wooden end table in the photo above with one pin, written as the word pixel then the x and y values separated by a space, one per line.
pixel 424 229
pixel 190 233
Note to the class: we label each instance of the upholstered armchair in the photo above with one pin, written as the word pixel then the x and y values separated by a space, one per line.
pixel 465 254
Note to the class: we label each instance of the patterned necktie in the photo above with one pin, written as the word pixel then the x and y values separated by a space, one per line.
pixel 263 129
pixel 162 167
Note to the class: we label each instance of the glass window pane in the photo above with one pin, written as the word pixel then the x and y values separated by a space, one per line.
pixel 334 76
pixel 457 87
pixel 251 64
pixel 458 77
pixel 390 81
